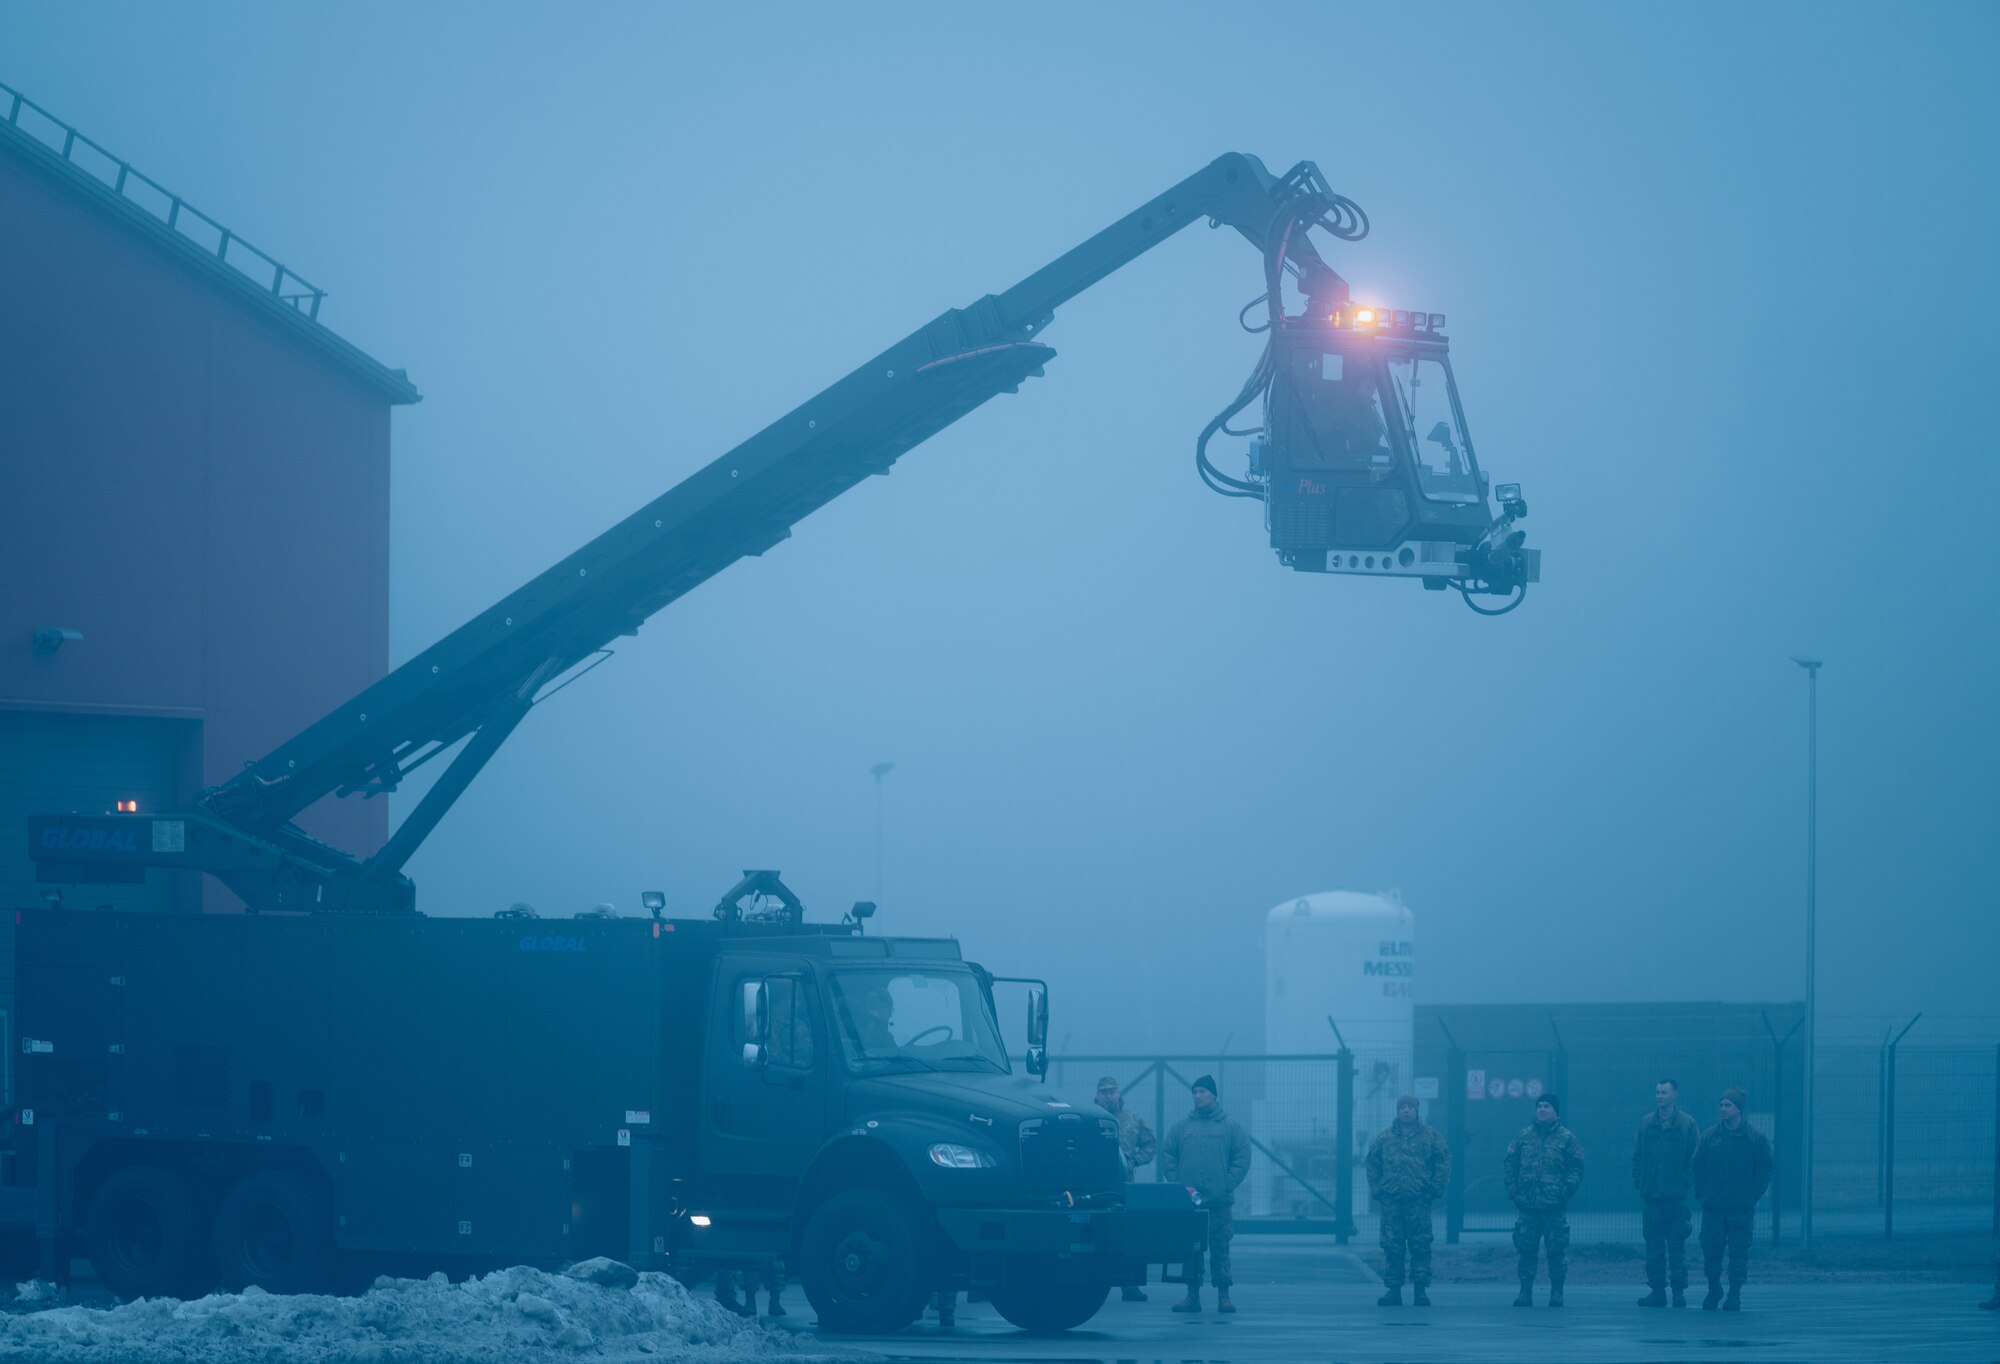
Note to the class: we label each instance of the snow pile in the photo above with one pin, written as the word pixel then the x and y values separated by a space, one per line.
pixel 598 1310
pixel 34 1293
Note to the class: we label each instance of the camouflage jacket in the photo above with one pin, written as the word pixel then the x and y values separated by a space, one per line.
pixel 1135 1138
pixel 1544 1167
pixel 1413 1164
pixel 1663 1156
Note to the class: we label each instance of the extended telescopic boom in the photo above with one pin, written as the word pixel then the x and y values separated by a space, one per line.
pixel 477 683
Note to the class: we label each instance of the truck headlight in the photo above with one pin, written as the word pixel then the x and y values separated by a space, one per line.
pixel 953 1157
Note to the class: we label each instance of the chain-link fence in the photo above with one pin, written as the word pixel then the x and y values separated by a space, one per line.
pixel 1908 1138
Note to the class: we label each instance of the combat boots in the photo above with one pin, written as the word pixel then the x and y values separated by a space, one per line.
pixel 1222 1301
pixel 1680 1297
pixel 1555 1293
pixel 777 1306
pixel 1526 1297
pixel 725 1293
pixel 1714 1298
pixel 1391 1297
pixel 1421 1298
pixel 1656 1298
pixel 1191 1303
pixel 1734 1302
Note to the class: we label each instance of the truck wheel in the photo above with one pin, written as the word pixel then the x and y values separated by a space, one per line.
pixel 142 1233
pixel 858 1262
pixel 271 1230
pixel 1046 1304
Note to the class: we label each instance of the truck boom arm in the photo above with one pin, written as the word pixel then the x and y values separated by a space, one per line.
pixel 479 681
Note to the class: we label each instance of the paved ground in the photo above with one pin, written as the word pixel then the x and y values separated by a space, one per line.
pixel 1304 1299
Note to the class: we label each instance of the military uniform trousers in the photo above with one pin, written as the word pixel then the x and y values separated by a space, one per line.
pixel 1667 1225
pixel 1535 1226
pixel 1406 1228
pixel 1221 1231
pixel 1726 1229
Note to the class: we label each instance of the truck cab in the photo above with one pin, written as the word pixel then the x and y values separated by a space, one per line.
pixel 865 1123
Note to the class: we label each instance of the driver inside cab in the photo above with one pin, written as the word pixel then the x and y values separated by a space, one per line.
pixel 872 1019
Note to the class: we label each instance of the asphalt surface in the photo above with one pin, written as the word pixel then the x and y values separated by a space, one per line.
pixel 1303 1299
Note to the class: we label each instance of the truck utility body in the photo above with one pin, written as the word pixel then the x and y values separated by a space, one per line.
pixel 522 1090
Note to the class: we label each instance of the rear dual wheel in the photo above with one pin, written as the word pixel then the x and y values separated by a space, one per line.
pixel 271 1230
pixel 143 1234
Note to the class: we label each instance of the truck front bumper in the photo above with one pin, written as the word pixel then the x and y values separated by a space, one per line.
pixel 1160 1227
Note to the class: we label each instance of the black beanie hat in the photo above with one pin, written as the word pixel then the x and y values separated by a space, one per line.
pixel 1736 1096
pixel 1549 1097
pixel 1206 1082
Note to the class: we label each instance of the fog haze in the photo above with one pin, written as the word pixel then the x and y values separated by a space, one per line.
pixel 1718 284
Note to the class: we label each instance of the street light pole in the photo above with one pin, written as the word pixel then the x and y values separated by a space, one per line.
pixel 1812 667
pixel 879 771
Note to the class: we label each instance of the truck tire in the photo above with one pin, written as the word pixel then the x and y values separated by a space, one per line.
pixel 271 1229
pixel 858 1262
pixel 1048 1304
pixel 143 1234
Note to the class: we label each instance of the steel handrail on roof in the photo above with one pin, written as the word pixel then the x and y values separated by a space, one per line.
pixel 283 283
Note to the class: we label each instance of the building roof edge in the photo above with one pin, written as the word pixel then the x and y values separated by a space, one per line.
pixel 393 384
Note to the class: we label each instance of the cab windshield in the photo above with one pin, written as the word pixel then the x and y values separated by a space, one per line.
pixel 915 1019
pixel 1427 410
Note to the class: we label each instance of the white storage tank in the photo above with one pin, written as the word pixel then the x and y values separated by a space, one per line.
pixel 1351 956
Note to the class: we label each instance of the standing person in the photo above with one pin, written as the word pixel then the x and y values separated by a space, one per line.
pixel 1663 1172
pixel 1209 1150
pixel 1135 1143
pixel 1543 1168
pixel 1409 1166
pixel 1732 1168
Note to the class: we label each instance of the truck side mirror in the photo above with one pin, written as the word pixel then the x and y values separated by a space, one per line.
pixel 1038 1062
pixel 1038 1019
pixel 756 1021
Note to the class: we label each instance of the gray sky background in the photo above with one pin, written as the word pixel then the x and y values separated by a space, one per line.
pixel 1720 281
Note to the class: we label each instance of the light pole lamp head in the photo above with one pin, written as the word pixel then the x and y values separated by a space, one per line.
pixel 1811 665
pixel 881 770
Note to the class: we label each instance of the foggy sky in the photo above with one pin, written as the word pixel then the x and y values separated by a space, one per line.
pixel 1719 284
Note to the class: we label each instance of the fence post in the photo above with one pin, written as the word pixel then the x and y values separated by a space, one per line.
pixel 1777 1121
pixel 1889 1137
pixel 1881 1110
pixel 1454 1194
pixel 1559 1065
pixel 1159 1109
pixel 1996 1141
pixel 1343 1140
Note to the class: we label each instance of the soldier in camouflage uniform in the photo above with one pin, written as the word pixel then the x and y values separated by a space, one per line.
pixel 1408 1168
pixel 1135 1143
pixel 1663 1172
pixel 1543 1167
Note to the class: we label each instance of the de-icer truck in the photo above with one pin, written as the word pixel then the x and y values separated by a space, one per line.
pixel 333 1073
pixel 285 1099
